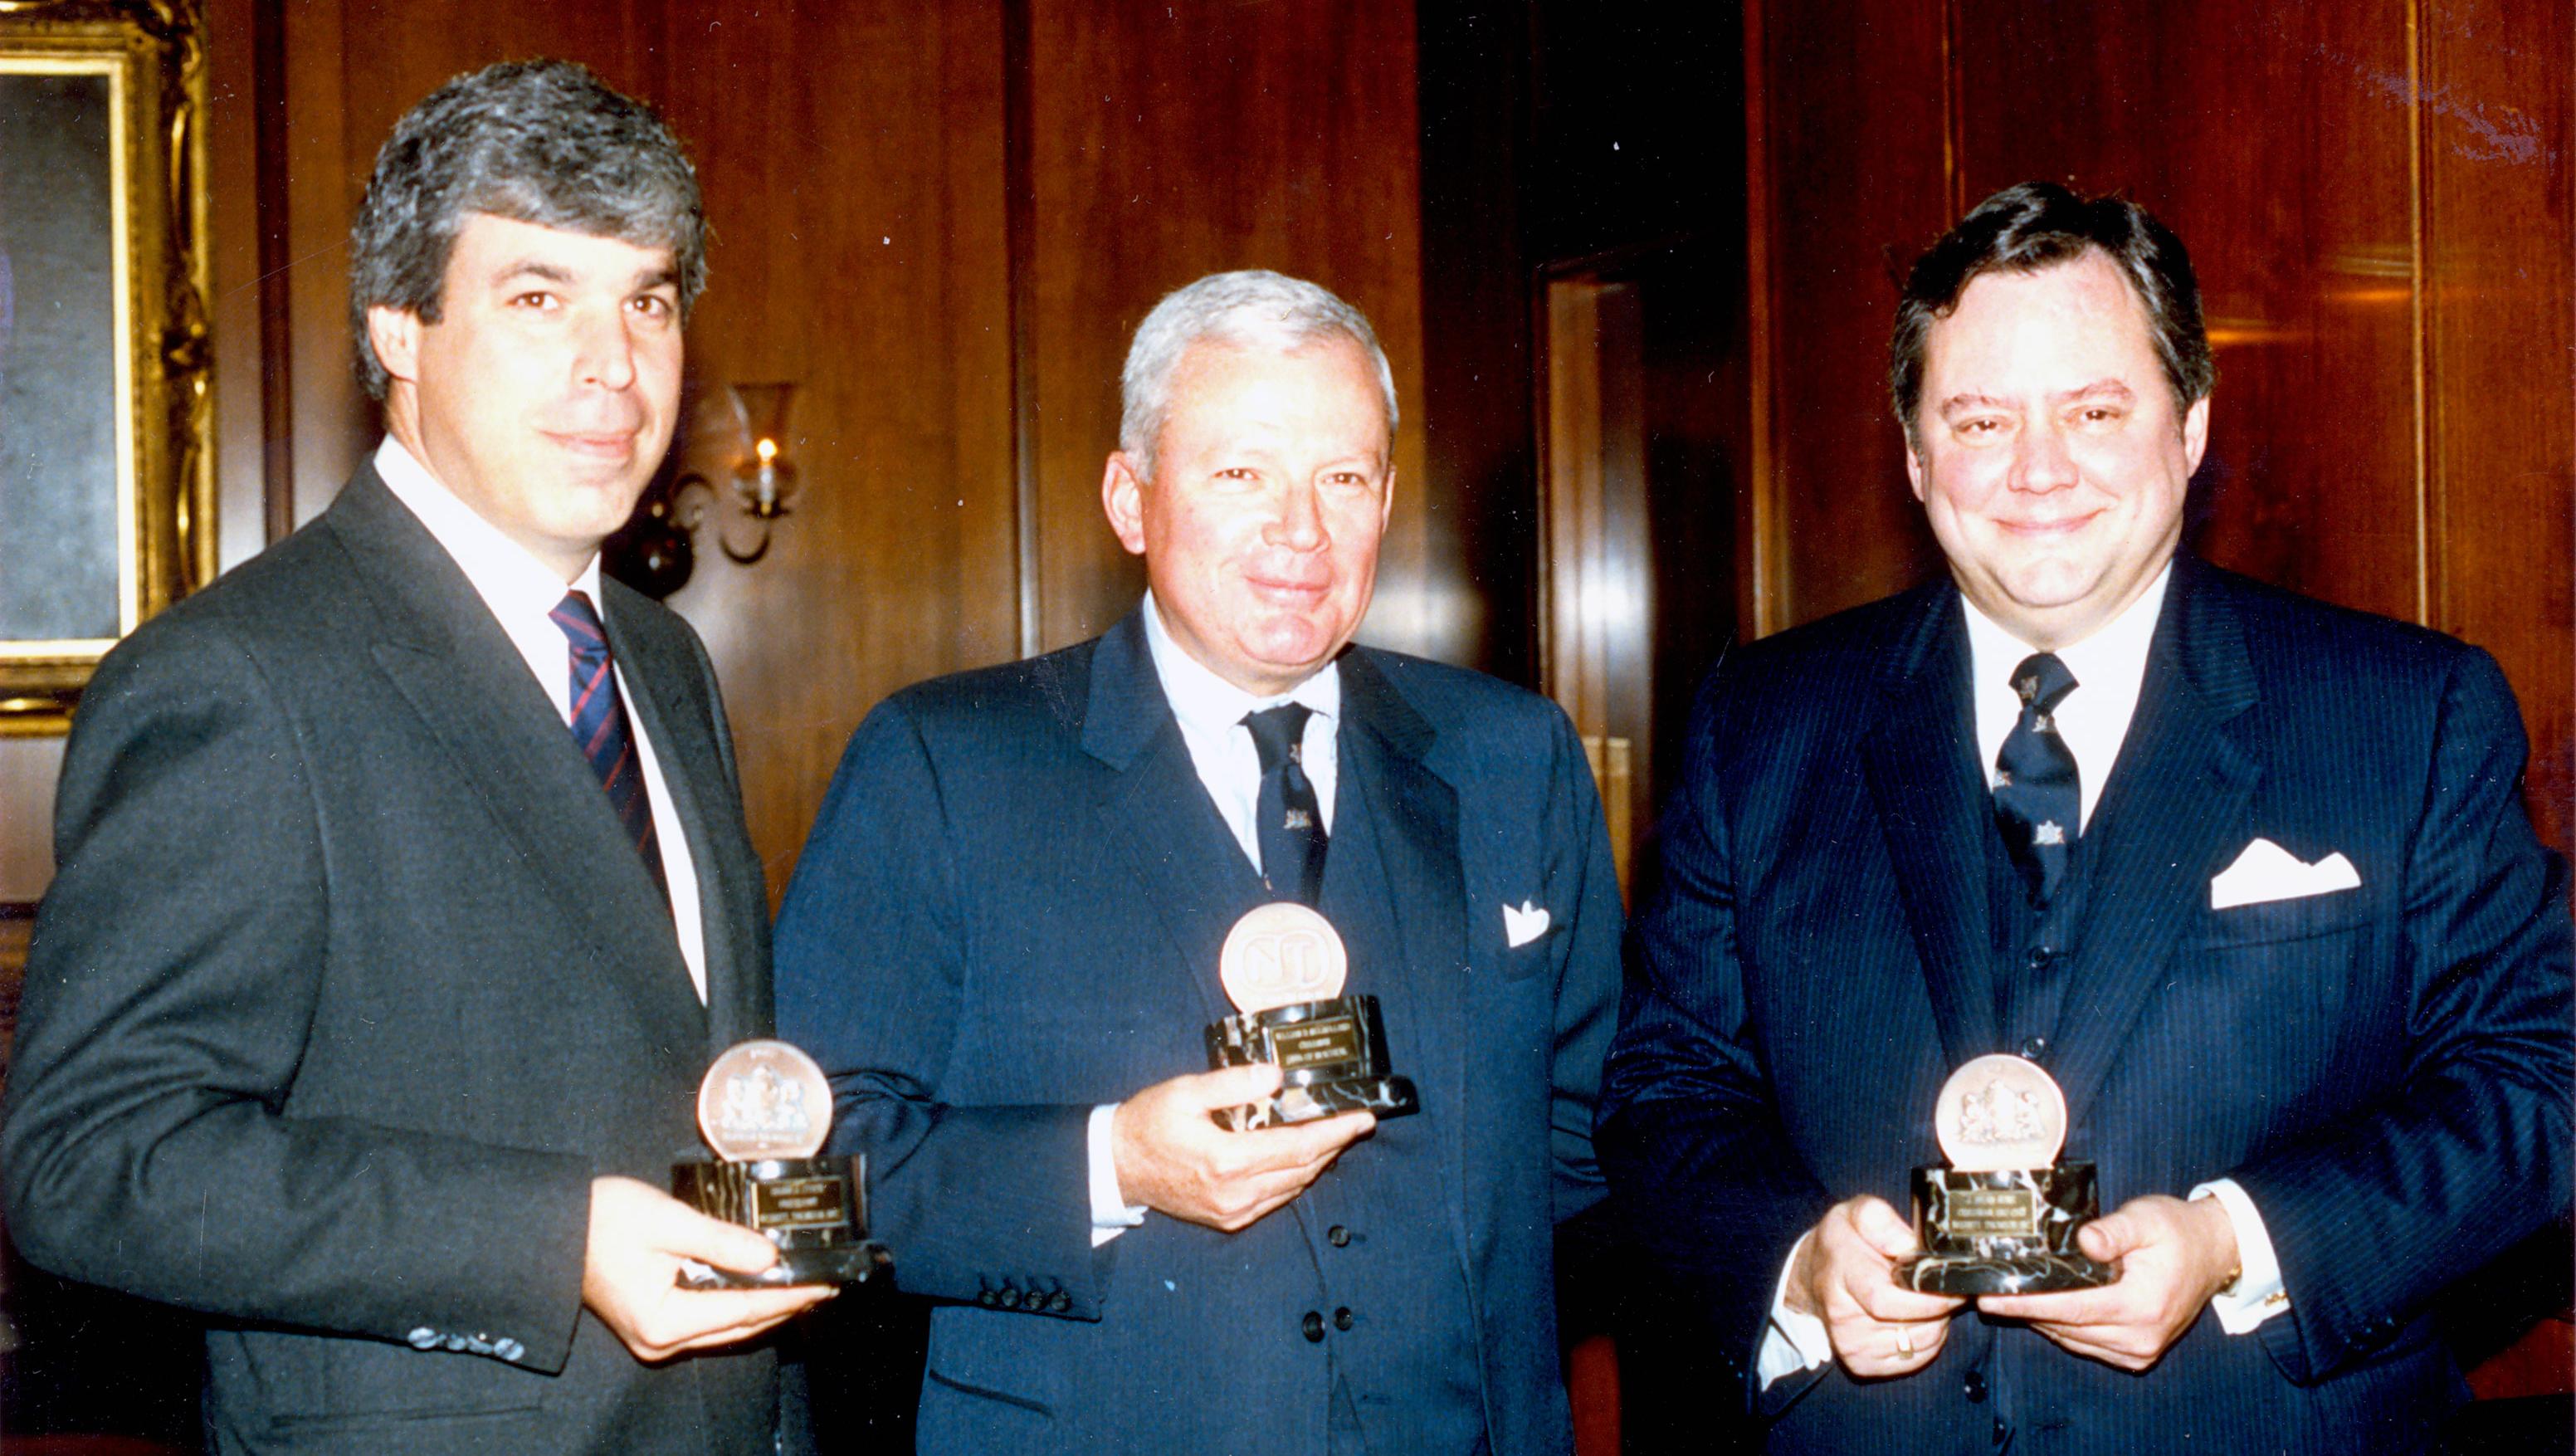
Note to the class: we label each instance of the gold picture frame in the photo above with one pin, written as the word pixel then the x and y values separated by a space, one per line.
pixel 102 108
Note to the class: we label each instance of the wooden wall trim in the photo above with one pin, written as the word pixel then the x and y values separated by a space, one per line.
pixel 2428 489
pixel 275 379
pixel 1020 257
pixel 1764 605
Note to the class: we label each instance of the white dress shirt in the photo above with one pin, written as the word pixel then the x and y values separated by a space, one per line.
pixel 1210 712
pixel 2092 719
pixel 522 592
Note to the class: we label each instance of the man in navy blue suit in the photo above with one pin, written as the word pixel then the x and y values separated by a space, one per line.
pixel 2248 875
pixel 1002 944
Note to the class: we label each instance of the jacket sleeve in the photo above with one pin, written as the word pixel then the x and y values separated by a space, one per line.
pixel 1711 1192
pixel 975 1203
pixel 151 1142
pixel 1579 873
pixel 2469 1151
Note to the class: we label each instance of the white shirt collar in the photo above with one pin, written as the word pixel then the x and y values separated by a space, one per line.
pixel 1210 713
pixel 2110 667
pixel 509 578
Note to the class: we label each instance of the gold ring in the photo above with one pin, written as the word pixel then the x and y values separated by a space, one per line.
pixel 1904 1340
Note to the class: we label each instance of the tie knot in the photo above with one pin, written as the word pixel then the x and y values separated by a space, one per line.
pixel 579 622
pixel 2040 681
pixel 1278 733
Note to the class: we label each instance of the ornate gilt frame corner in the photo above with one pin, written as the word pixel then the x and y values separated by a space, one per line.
pixel 156 51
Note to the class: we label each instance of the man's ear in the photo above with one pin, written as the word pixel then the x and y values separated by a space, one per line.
pixel 2195 433
pixel 394 333
pixel 1122 499
pixel 1913 466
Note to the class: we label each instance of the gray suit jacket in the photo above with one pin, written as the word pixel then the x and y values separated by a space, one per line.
pixel 347 987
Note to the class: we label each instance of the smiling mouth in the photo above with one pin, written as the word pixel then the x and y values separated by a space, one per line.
pixel 2047 530
pixel 1293 591
pixel 597 445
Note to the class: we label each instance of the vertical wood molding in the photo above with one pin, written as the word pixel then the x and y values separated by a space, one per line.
pixel 275 251
pixel 2431 606
pixel 1765 595
pixel 1020 252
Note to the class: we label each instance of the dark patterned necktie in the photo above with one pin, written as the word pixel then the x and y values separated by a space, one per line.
pixel 600 730
pixel 2036 800
pixel 1289 823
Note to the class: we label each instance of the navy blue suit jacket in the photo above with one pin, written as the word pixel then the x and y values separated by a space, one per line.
pixel 1010 910
pixel 2385 1070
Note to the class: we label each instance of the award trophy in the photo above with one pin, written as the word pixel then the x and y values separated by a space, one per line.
pixel 1283 967
pixel 764 1107
pixel 2001 1219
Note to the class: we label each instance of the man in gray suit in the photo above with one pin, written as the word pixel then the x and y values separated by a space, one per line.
pixel 369 1002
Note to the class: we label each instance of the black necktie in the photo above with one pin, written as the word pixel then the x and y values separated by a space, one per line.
pixel 2036 800
pixel 599 727
pixel 1289 823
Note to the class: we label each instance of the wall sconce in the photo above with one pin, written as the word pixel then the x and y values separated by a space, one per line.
pixel 655 551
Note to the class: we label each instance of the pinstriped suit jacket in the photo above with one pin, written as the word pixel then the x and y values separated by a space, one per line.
pixel 349 984
pixel 2385 1070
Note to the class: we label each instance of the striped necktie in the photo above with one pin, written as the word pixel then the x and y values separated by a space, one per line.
pixel 600 730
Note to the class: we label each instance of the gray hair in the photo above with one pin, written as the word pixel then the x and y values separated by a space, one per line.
pixel 533 141
pixel 1249 308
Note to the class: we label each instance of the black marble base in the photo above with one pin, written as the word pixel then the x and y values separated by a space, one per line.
pixel 840 1264
pixel 813 1209
pixel 1331 1057
pixel 2009 1231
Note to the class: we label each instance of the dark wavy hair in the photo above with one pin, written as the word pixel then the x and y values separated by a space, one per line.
pixel 2035 225
pixel 534 141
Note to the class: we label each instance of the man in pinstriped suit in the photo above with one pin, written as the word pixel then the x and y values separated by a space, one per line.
pixel 2248 875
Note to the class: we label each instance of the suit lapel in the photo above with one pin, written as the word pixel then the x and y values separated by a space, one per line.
pixel 1412 814
pixel 2185 774
pixel 448 658
pixel 1158 815
pixel 1921 758
pixel 658 673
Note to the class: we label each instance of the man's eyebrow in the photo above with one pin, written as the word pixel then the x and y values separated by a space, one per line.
pixel 2111 389
pixel 1957 403
pixel 651 278
pixel 532 268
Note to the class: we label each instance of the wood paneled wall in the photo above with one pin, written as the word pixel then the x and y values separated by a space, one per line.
pixel 940 221
pixel 2374 196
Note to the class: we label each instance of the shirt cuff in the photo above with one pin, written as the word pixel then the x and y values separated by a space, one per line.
pixel 2258 1294
pixel 1111 1213
pixel 1795 1341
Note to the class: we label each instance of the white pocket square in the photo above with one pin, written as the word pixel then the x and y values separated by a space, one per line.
pixel 2266 871
pixel 1523 923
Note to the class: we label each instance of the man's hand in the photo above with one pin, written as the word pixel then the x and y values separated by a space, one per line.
pixel 638 1236
pixel 2173 1256
pixel 1173 1158
pixel 1845 1274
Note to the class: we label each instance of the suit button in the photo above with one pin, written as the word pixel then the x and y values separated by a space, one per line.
pixel 2034 1047
pixel 1341 1319
pixel 987 1298
pixel 2038 958
pixel 1313 1325
pixel 1974 1386
pixel 2003 1433
pixel 1340 1236
pixel 1060 1302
